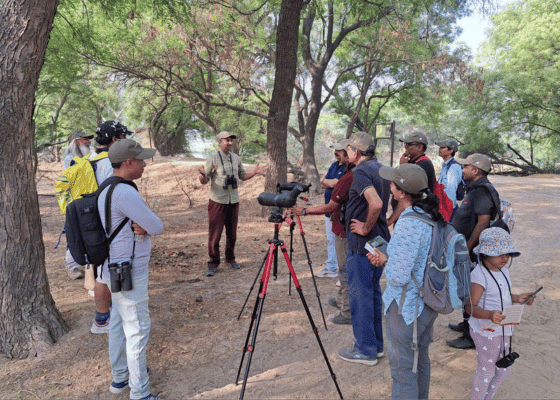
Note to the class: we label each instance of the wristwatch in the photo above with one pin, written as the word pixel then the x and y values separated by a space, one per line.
pixel 303 211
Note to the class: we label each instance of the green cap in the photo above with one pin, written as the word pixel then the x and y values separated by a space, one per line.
pixel 409 177
pixel 124 149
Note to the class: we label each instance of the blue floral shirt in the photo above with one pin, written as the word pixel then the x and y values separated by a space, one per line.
pixel 407 255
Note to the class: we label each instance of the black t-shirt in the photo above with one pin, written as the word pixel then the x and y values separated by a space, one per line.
pixel 477 201
pixel 366 175
pixel 426 165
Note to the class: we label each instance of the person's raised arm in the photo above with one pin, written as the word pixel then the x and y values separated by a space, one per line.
pixel 259 169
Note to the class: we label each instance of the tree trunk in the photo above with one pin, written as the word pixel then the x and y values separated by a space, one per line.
pixel 30 322
pixel 279 112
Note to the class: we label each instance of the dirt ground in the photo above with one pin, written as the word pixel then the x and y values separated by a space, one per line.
pixel 196 340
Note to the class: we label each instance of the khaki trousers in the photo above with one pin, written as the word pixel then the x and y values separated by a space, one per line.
pixel 341 246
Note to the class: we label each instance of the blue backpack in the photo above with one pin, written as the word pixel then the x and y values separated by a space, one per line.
pixel 447 277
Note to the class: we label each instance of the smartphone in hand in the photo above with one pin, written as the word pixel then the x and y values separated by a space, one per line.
pixel 377 243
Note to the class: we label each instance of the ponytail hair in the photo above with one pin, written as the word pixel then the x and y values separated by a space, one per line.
pixel 427 202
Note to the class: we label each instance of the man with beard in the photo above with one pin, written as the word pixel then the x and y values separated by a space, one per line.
pixel 79 144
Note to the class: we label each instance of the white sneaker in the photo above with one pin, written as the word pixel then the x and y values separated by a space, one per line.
pixel 325 273
pixel 100 330
pixel 338 283
pixel 75 273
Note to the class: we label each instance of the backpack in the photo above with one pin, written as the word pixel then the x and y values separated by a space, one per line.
pixel 504 210
pixel 462 187
pixel 445 203
pixel 76 180
pixel 447 277
pixel 86 238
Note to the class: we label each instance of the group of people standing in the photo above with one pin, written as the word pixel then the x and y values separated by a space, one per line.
pixel 357 205
pixel 362 196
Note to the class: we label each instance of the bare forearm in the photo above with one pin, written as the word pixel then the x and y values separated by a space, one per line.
pixel 322 208
pixel 482 224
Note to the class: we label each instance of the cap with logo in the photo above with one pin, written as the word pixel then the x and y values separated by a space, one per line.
pixel 415 137
pixel 341 144
pixel 409 177
pixel 477 160
pixel 361 141
pixel 449 143
pixel 225 135
pixel 124 149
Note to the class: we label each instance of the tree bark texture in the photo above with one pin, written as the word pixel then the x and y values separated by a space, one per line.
pixel 285 75
pixel 30 321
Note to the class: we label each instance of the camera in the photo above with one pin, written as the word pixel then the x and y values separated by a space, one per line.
pixel 286 197
pixel 507 361
pixel 121 277
pixel 230 180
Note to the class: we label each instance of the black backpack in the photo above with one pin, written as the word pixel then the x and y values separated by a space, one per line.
pixel 86 238
pixel 462 187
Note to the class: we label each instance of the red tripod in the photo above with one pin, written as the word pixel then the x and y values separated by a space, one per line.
pixel 270 259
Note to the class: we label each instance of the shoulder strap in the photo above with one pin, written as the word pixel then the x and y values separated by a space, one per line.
pixel 495 197
pixel 421 158
pixel 112 182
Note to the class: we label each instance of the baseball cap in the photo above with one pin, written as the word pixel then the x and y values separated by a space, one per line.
pixel 341 144
pixel 476 160
pixel 225 135
pixel 450 143
pixel 409 177
pixel 77 135
pixel 127 148
pixel 107 130
pixel 361 141
pixel 415 137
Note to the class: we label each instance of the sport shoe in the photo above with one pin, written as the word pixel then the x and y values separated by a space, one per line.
pixel 75 273
pixel 100 329
pixel 210 271
pixel 151 397
pixel 338 283
pixel 356 357
pixel 462 342
pixel 333 303
pixel 457 327
pixel 325 273
pixel 117 388
pixel 340 319
pixel 235 265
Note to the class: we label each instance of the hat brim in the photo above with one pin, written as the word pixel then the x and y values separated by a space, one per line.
pixel 406 140
pixel 512 254
pixel 441 144
pixel 145 154
pixel 462 161
pixel 228 136
pixel 388 173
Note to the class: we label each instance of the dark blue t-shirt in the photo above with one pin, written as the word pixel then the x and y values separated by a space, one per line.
pixel 335 171
pixel 366 175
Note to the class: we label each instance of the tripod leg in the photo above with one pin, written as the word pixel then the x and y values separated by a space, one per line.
pixel 256 318
pixel 313 327
pixel 252 286
pixel 312 274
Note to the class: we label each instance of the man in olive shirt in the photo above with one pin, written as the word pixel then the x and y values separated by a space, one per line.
pixel 224 170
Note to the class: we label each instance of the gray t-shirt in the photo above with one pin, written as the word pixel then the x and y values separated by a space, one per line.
pixel 127 202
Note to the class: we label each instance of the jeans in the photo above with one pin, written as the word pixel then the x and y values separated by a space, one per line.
pixel 407 385
pixel 331 263
pixel 366 306
pixel 129 330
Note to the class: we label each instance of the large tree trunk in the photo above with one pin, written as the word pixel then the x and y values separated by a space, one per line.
pixel 279 113
pixel 29 322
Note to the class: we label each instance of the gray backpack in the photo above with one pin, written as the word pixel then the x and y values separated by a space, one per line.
pixel 447 276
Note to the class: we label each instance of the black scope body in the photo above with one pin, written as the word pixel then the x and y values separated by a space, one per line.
pixel 286 197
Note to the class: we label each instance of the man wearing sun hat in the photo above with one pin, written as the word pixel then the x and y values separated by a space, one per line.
pixel 129 326
pixel 473 216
